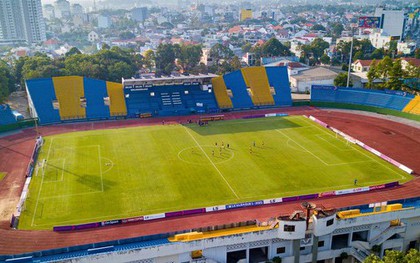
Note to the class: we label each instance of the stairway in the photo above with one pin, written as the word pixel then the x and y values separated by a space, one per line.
pixel 389 232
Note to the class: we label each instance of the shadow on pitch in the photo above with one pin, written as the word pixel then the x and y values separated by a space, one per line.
pixel 92 181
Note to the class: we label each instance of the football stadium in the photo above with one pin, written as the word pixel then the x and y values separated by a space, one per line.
pixel 207 168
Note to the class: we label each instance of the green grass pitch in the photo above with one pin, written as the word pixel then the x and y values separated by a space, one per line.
pixel 99 175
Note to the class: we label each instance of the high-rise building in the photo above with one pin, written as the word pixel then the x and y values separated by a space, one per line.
pixel 139 14
pixel 62 9
pixel 392 21
pixel 21 21
pixel 246 14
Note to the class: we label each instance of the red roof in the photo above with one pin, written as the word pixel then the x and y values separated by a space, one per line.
pixel 413 61
pixel 364 62
pixel 51 42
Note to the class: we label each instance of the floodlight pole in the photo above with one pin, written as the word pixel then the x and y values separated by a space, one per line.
pixel 351 54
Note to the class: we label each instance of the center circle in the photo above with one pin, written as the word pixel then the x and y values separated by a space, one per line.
pixel 197 155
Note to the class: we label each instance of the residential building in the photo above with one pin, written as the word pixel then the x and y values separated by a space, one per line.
pixel 62 9
pixel 245 14
pixel 406 48
pixel 104 21
pixel 48 11
pixel 93 36
pixel 380 39
pixel 21 21
pixel 139 14
pixel 77 9
pixel 405 62
pixel 361 65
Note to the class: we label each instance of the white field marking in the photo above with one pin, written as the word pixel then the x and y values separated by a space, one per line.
pixel 215 167
pixel 111 166
pixel 62 171
pixel 40 187
pixel 314 155
pixel 69 195
pixel 362 151
pixel 332 144
pixel 100 168
pixel 140 213
pixel 192 147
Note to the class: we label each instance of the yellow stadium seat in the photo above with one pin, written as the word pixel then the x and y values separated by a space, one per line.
pixel 117 105
pixel 256 79
pixel 413 106
pixel 71 97
pixel 221 93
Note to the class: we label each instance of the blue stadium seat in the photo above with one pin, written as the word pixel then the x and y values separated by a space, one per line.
pixel 279 80
pixel 6 115
pixel 41 95
pixel 235 82
pixel 95 92
pixel 395 100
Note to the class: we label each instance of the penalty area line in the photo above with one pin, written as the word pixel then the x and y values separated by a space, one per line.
pixel 215 167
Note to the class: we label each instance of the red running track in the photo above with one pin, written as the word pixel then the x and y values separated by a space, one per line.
pixel 396 140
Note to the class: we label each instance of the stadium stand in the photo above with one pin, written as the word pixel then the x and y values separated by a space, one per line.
pixel 395 100
pixel 220 92
pixel 71 97
pixel 234 82
pixel 42 100
pixel 96 94
pixel 413 106
pixel 279 81
pixel 6 115
pixel 116 99
pixel 256 80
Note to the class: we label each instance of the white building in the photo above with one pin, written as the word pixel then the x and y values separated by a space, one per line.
pixel 328 236
pixel 49 12
pixel 392 21
pixel 406 48
pixel 303 81
pixel 104 21
pixel 62 9
pixel 21 21
pixel 93 36
pixel 380 39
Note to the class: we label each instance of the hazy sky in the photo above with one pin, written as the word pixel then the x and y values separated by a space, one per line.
pixel 82 2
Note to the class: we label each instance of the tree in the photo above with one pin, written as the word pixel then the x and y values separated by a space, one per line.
pixel 318 27
pixel 235 63
pixel 189 56
pixel 273 48
pixel 383 68
pixel 6 81
pixel 127 35
pixel 417 53
pixel 73 51
pixel 395 76
pixel 325 59
pixel 358 55
pixel 372 74
pixel 337 29
pixel 377 54
pixel 219 52
pixel 149 59
pixel 247 47
pixel 393 256
pixel 341 80
pixel 165 58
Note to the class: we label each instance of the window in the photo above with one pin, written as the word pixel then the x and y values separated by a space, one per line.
pixel 289 228
pixel 281 250
pixel 302 248
pixel 321 243
pixel 330 222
